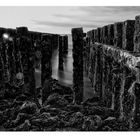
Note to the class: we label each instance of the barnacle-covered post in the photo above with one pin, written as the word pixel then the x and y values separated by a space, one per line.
pixel 110 34
pixel 99 35
pixel 77 38
pixel 25 50
pixel 117 69
pixel 106 68
pixel 128 35
pixel 137 34
pixel 136 85
pixel 118 34
pixel 97 84
pixel 104 35
pixel 46 65
pixel 1 68
pixel 126 74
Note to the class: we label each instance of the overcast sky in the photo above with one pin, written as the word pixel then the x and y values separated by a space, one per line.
pixel 62 19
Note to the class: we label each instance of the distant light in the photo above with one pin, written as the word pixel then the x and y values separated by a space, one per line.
pixel 10 39
pixel 5 36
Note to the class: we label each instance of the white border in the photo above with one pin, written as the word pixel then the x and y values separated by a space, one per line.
pixel 69 135
pixel 69 2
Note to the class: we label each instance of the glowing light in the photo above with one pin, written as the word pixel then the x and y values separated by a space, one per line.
pixel 10 39
pixel 5 36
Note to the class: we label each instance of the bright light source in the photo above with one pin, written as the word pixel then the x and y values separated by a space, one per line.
pixel 5 36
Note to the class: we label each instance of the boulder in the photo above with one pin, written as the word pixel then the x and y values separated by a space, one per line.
pixel 28 107
pixel 24 127
pixel 88 124
pixel 76 120
pixel 56 100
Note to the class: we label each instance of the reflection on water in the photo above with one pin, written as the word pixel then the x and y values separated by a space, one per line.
pixel 64 76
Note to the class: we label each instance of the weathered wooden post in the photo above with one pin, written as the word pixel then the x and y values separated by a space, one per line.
pixel 97 74
pixel 46 66
pixel 136 86
pixel 96 35
pixel 128 35
pixel 99 35
pixel 61 61
pixel 117 71
pixel 1 68
pixel 125 96
pixel 137 34
pixel 118 34
pixel 77 38
pixel 110 29
pixel 106 71
pixel 104 31
pixel 27 58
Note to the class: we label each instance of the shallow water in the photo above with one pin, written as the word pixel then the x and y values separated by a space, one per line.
pixel 66 76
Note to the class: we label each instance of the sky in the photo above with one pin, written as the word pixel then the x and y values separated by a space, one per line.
pixel 61 19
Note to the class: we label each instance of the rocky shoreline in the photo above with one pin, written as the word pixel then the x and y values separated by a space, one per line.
pixel 22 112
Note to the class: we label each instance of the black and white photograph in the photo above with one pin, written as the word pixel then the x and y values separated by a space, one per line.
pixel 69 68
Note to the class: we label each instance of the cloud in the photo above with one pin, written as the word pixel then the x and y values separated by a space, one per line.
pixel 88 17
pixel 64 25
pixel 124 8
pixel 107 10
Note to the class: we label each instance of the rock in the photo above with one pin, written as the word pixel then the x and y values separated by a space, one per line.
pixel 56 100
pixel 51 110
pixel 13 112
pixel 74 108
pixel 2 92
pixel 21 117
pixel 109 119
pixel 107 128
pixel 2 128
pixel 91 123
pixel 28 107
pixel 3 118
pixel 52 99
pixel 76 120
pixel 24 127
pixel 69 98
pixel 91 101
pixel 21 98
pixel 44 122
pixel 44 115
pixel 98 121
pixel 88 124
pixel 115 124
pixel 67 129
pixel 4 104
pixel 11 92
pixel 103 112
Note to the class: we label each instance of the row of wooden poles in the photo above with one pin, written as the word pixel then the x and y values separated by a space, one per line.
pixel 115 67
pixel 19 49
